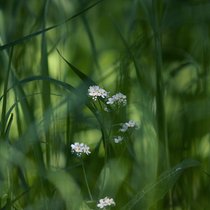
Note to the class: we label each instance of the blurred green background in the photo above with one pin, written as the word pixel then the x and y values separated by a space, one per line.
pixel 156 52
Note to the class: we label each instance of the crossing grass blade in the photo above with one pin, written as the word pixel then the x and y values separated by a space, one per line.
pixel 157 190
pixel 30 36
pixel 87 80
pixel 68 189
pixel 4 106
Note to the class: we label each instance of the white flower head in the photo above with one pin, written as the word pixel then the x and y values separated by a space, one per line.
pixel 119 99
pixel 95 92
pixel 80 148
pixel 118 139
pixel 86 149
pixel 127 125
pixel 105 202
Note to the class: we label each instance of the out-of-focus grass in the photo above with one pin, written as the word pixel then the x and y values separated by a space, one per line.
pixel 154 52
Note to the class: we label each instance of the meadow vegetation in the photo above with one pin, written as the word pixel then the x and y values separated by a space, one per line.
pixel 104 105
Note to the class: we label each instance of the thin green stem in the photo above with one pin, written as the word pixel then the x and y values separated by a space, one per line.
pixel 160 91
pixel 10 187
pixel 86 181
pixel 45 86
pixel 104 138
pixel 4 106
pixel 161 118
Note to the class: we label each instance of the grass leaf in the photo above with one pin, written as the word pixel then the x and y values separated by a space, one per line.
pixel 87 80
pixel 30 36
pixel 157 190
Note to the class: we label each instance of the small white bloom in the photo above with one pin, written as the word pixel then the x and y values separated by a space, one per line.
pixel 105 202
pixel 95 92
pixel 86 149
pixel 131 124
pixel 110 201
pixel 124 128
pixel 119 99
pixel 127 125
pixel 80 148
pixel 76 147
pixel 100 204
pixel 118 139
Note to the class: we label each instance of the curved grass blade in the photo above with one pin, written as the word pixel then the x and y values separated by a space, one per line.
pixel 157 190
pixel 44 78
pixel 80 74
pixel 87 81
pixel 4 105
pixel 30 36
pixel 71 89
pixel 8 126
pixel 9 119
pixel 68 189
pixel 58 83
pixel 54 81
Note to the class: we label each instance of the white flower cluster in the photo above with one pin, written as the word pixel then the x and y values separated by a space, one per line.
pixel 105 202
pixel 95 92
pixel 80 148
pixel 118 99
pixel 118 139
pixel 127 125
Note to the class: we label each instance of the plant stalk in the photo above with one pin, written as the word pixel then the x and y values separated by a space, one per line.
pixel 160 91
pixel 86 181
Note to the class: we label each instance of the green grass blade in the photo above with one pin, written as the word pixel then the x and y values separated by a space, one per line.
pixel 8 126
pixel 49 79
pixel 91 40
pixel 30 36
pixel 46 100
pixel 79 73
pixel 68 189
pixel 157 190
pixel 4 106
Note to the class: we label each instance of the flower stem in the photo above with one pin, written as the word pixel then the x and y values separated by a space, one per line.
pixel 86 181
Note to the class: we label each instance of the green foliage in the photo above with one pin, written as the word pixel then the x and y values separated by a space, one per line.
pixel 156 53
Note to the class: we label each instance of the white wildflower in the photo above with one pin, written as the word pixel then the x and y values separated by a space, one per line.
pixel 118 139
pixel 80 148
pixel 76 147
pixel 105 202
pixel 119 99
pixel 95 92
pixel 127 125
pixel 86 149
